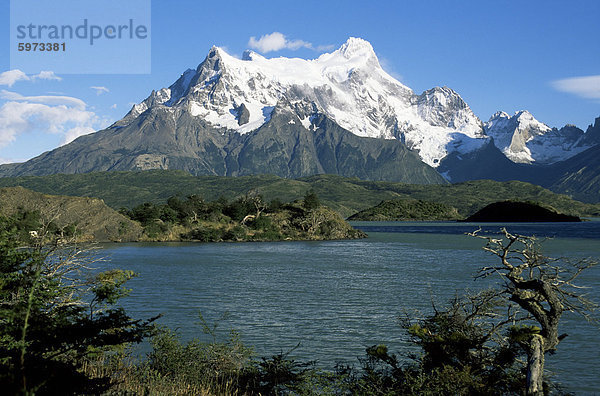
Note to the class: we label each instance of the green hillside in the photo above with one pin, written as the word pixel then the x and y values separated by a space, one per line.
pixel 407 210
pixel 345 195
pixel 88 218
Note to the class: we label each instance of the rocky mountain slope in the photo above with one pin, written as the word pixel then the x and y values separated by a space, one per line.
pixel 282 146
pixel 577 176
pixel 523 139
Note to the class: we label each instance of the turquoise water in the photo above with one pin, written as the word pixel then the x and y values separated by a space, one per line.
pixel 335 298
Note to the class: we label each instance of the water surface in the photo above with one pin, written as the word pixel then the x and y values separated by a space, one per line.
pixel 337 297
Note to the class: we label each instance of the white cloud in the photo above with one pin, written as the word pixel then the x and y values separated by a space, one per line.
pixel 46 75
pixel 50 100
pixel 389 68
pixel 75 132
pixel 276 41
pixel 12 76
pixel 61 115
pixel 100 90
pixel 114 106
pixel 321 48
pixel 586 87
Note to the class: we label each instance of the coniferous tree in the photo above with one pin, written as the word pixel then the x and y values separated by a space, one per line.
pixel 311 200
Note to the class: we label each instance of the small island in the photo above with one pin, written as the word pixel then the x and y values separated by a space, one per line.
pixel 515 211
pixel 246 218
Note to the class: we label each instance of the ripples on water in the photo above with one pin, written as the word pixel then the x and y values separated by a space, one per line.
pixel 336 298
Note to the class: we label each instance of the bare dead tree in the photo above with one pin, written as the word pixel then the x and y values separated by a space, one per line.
pixel 541 286
pixel 258 202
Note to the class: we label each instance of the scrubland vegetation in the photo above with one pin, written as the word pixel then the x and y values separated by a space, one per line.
pixel 63 332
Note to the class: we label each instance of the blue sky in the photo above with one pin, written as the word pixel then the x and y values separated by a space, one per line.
pixel 498 55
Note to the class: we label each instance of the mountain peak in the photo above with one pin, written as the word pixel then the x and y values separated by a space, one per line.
pixel 357 47
pixel 524 139
pixel 526 120
pixel 521 118
pixel 214 52
pixel 250 55
pixel 498 115
pixel 524 115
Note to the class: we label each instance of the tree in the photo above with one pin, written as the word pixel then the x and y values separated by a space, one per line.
pixel 492 342
pixel 311 200
pixel 462 351
pixel 53 318
pixel 541 286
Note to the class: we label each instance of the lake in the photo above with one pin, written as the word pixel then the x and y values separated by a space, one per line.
pixel 335 298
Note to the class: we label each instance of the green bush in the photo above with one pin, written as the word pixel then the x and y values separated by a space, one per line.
pixel 146 213
pixel 275 205
pixel 156 228
pixel 205 234
pixel 236 233
pixel 197 362
pixel 262 223
pixel 238 209
pixel 269 235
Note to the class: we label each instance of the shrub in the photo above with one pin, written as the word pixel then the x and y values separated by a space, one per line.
pixel 53 320
pixel 235 234
pixel 205 234
pixel 262 223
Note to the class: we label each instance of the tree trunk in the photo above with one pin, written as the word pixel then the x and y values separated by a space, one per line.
pixel 535 366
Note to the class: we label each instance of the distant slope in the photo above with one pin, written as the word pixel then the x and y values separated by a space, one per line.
pixel 94 221
pixel 487 163
pixel 345 195
pixel 579 176
pixel 407 210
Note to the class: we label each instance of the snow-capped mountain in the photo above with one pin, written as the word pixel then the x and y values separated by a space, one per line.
pixel 348 85
pixel 338 114
pixel 523 139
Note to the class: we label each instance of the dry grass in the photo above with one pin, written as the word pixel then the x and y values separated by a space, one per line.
pixel 129 378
